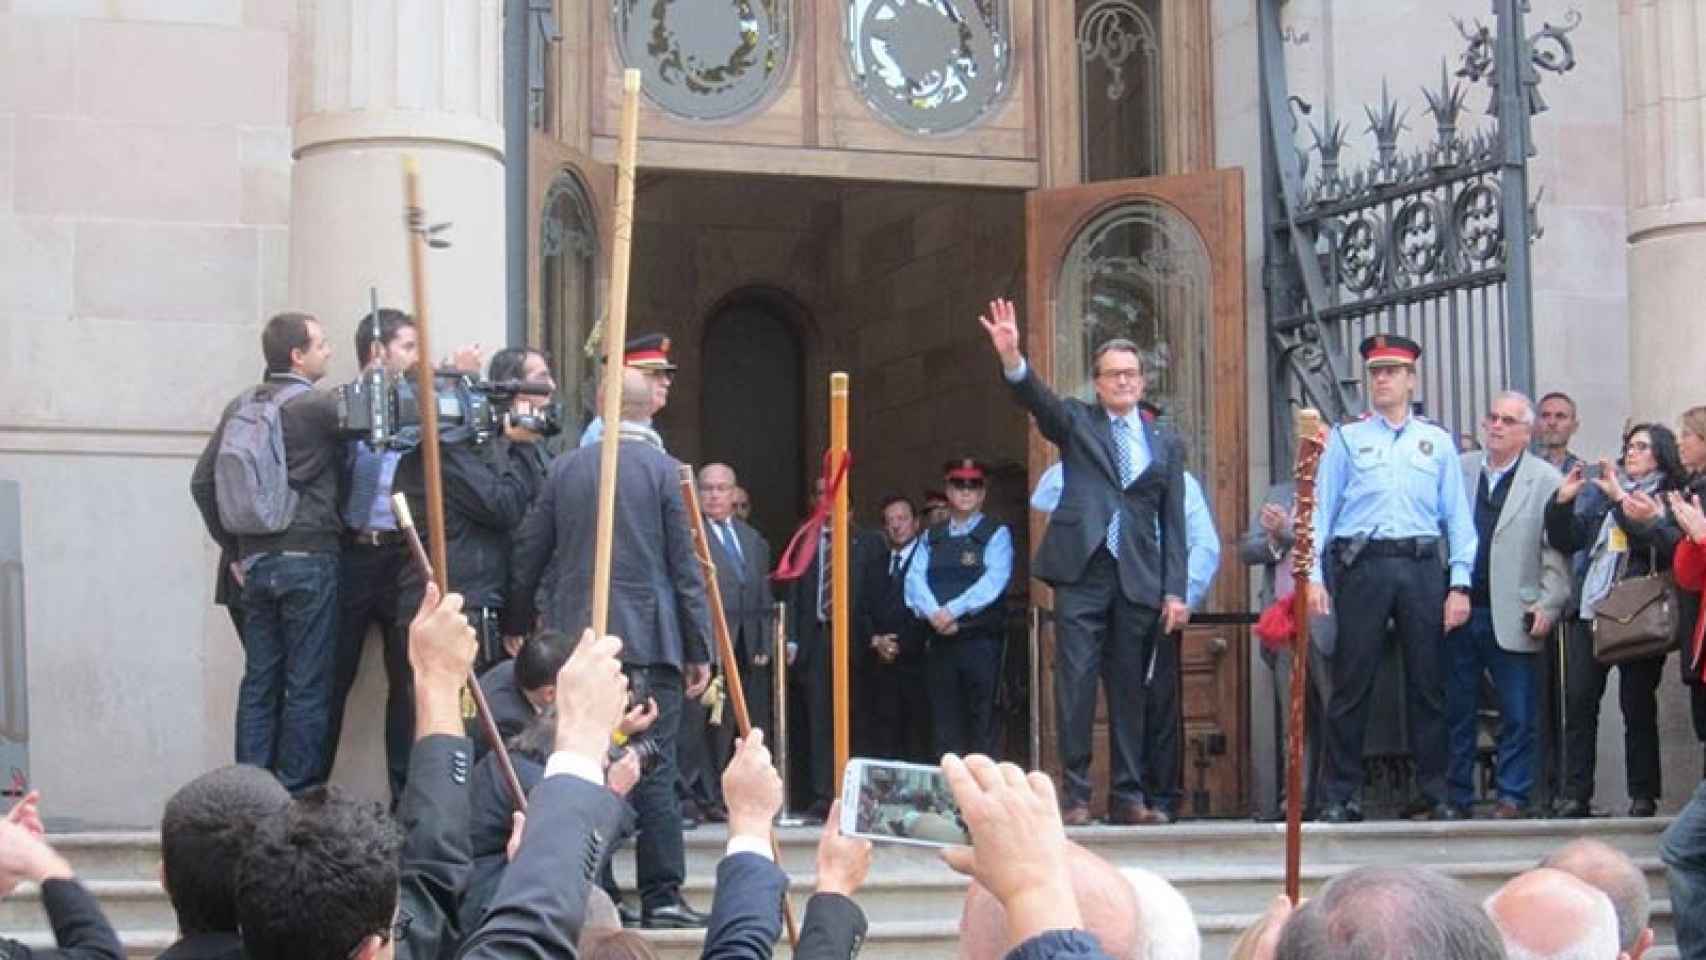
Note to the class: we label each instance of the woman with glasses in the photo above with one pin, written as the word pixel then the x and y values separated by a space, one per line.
pixel 1613 517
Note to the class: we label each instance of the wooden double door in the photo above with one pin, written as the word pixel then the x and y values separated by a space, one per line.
pixel 1159 261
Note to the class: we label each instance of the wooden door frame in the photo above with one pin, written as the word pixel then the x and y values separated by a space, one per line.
pixel 1212 202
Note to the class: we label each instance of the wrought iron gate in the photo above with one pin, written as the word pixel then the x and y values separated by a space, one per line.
pixel 1431 243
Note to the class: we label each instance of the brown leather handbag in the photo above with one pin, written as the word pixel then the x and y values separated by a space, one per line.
pixel 1637 619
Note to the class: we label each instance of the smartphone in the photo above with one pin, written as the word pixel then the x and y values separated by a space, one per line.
pixel 1592 471
pixel 892 802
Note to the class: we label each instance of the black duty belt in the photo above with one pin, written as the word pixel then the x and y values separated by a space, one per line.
pixel 376 538
pixel 1420 548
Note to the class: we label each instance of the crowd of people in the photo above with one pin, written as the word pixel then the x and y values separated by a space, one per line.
pixel 1517 563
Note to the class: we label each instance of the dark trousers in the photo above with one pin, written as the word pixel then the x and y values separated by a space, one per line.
pixel 1316 683
pixel 1637 687
pixel 367 596
pixel 697 753
pixel 660 859
pixel 894 716
pixel 1163 719
pixel 290 613
pixel 962 672
pixel 1411 592
pixel 1683 850
pixel 1101 638
pixel 811 727
pixel 1471 650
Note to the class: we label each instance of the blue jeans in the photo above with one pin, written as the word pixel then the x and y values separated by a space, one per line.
pixel 1683 849
pixel 290 606
pixel 1470 649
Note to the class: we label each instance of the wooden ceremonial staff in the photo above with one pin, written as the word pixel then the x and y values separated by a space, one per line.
pixel 615 339
pixel 435 567
pixel 839 546
pixel 1309 447
pixel 726 651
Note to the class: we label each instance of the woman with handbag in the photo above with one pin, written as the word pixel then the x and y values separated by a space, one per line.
pixel 1627 613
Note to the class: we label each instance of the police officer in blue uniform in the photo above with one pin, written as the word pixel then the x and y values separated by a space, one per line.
pixel 955 585
pixel 1389 484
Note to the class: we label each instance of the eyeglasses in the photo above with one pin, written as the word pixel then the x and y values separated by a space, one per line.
pixel 1128 376
pixel 1637 446
pixel 1504 418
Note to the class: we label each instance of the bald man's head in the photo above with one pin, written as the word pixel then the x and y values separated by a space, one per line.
pixel 1105 899
pixel 1610 870
pixel 1548 913
pixel 636 396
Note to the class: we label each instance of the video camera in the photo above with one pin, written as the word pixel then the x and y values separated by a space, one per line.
pixel 385 411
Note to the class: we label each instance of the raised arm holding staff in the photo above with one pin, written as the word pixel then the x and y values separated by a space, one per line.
pixel 1115 554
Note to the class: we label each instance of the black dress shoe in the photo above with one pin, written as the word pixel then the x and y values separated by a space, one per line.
pixel 673 916
pixel 1643 807
pixel 1574 810
pixel 630 916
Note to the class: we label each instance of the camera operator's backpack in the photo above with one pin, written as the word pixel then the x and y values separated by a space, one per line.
pixel 251 480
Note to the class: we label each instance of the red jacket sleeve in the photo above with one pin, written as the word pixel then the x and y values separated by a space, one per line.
pixel 1689 565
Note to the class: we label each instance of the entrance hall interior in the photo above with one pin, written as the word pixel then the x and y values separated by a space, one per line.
pixel 766 285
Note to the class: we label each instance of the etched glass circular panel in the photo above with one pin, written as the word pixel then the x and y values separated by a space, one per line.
pixel 705 59
pixel 1140 272
pixel 930 66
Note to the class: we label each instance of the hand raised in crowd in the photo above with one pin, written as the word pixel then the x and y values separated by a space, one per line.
pixel 698 678
pixel 25 856
pixel 752 789
pixel 1642 508
pixel 1570 485
pixel 621 776
pixel 467 359
pixel 1174 614
pixel 26 813
pixel 1456 609
pixel 441 653
pixel 1689 516
pixel 1002 325
pixel 592 694
pixel 1018 850
pixel 639 718
pixel 843 863
pixel 1607 481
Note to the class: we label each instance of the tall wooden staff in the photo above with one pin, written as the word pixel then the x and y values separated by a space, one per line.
pixel 726 650
pixel 1309 447
pixel 434 568
pixel 842 596
pixel 615 337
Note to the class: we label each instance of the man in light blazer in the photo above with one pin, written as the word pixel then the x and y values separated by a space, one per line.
pixel 1518 587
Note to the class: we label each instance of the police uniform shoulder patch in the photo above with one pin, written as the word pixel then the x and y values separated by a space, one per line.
pixel 1427 448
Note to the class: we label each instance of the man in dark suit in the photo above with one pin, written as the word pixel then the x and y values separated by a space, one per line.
pixel 890 643
pixel 519 690
pixel 742 558
pixel 657 607
pixel 1115 554
pixel 811 707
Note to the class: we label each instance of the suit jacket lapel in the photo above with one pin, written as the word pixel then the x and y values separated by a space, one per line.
pixel 1157 449
pixel 1101 429
pixel 1516 500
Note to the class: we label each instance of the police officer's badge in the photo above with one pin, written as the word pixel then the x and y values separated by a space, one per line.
pixel 968 559
pixel 1427 448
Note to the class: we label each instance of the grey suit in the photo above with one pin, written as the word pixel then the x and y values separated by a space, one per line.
pixel 657 607
pixel 1107 605
pixel 1256 549
pixel 1525 570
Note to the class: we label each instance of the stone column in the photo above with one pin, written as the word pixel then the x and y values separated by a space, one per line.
pixel 1664 137
pixel 375 81
pixel 1664 46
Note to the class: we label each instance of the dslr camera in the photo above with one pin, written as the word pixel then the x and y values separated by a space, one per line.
pixel 385 410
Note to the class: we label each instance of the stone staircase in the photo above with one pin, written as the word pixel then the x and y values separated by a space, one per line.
pixel 1227 870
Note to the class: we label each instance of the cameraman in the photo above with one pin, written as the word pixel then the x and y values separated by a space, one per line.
pixel 289 577
pixel 489 482
pixel 375 556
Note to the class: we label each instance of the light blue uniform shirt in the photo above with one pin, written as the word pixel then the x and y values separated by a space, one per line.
pixel 1202 541
pixel 1392 483
pixel 593 433
pixel 997 569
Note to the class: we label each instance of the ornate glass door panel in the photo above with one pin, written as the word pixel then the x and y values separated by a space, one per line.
pixel 705 59
pixel 569 236
pixel 1160 261
pixel 930 66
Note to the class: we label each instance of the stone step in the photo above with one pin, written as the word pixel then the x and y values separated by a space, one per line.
pixel 889 940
